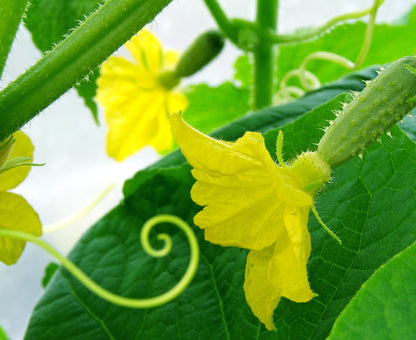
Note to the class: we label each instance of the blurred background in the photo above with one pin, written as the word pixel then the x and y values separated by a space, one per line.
pixel 77 168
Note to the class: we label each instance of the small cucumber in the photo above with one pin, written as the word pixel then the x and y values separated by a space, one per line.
pixel 205 48
pixel 384 101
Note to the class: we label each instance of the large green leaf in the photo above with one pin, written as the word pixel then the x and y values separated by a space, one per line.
pixel 385 302
pixel 369 204
pixel 49 22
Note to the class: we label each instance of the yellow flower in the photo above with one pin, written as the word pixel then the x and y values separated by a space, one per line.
pixel 15 213
pixel 137 97
pixel 251 202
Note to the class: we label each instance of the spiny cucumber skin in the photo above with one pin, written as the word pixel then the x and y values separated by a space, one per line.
pixel 372 112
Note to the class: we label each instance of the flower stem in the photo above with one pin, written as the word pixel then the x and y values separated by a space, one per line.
pixel 263 53
pixel 114 298
pixel 222 21
pixel 70 61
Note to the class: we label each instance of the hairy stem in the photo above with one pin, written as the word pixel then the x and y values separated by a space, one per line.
pixel 71 60
pixel 263 53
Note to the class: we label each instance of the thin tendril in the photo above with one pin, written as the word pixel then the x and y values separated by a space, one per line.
pixel 114 298
pixel 309 82
pixel 322 55
pixel 368 34
pixel 65 222
pixel 279 149
pixel 276 38
pixel 329 231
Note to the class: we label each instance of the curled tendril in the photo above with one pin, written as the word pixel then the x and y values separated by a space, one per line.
pixel 67 221
pixel 117 299
pixel 308 80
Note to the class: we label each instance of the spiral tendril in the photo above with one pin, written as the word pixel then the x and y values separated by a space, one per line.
pixel 117 299
pixel 308 80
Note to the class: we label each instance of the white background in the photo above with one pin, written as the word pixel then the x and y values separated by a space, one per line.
pixel 73 147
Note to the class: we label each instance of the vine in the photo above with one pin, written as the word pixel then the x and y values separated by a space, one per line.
pixel 117 299
pixel 307 79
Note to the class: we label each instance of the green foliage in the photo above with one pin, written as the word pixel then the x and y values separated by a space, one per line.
pixel 243 70
pixel 390 42
pixel 3 335
pixel 369 205
pixel 50 269
pixel 385 303
pixel 10 15
pixel 62 17
pixel 212 107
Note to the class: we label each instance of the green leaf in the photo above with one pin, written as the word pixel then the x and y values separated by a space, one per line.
pixel 243 70
pixel 370 208
pixel 10 15
pixel 50 269
pixel 62 17
pixel 87 89
pixel 213 306
pixel 385 303
pixel 390 42
pixel 3 335
pixel 212 107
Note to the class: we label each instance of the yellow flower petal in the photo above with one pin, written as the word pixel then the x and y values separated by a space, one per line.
pixel 237 183
pixel 146 49
pixel 170 58
pixel 16 214
pixel 136 103
pixel 22 147
pixel 144 121
pixel 177 102
pixel 288 271
pixel 261 295
pixel 121 81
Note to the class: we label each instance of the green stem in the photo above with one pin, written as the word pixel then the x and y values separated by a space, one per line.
pixel 70 61
pixel 11 13
pixel 222 21
pixel 114 298
pixel 263 54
